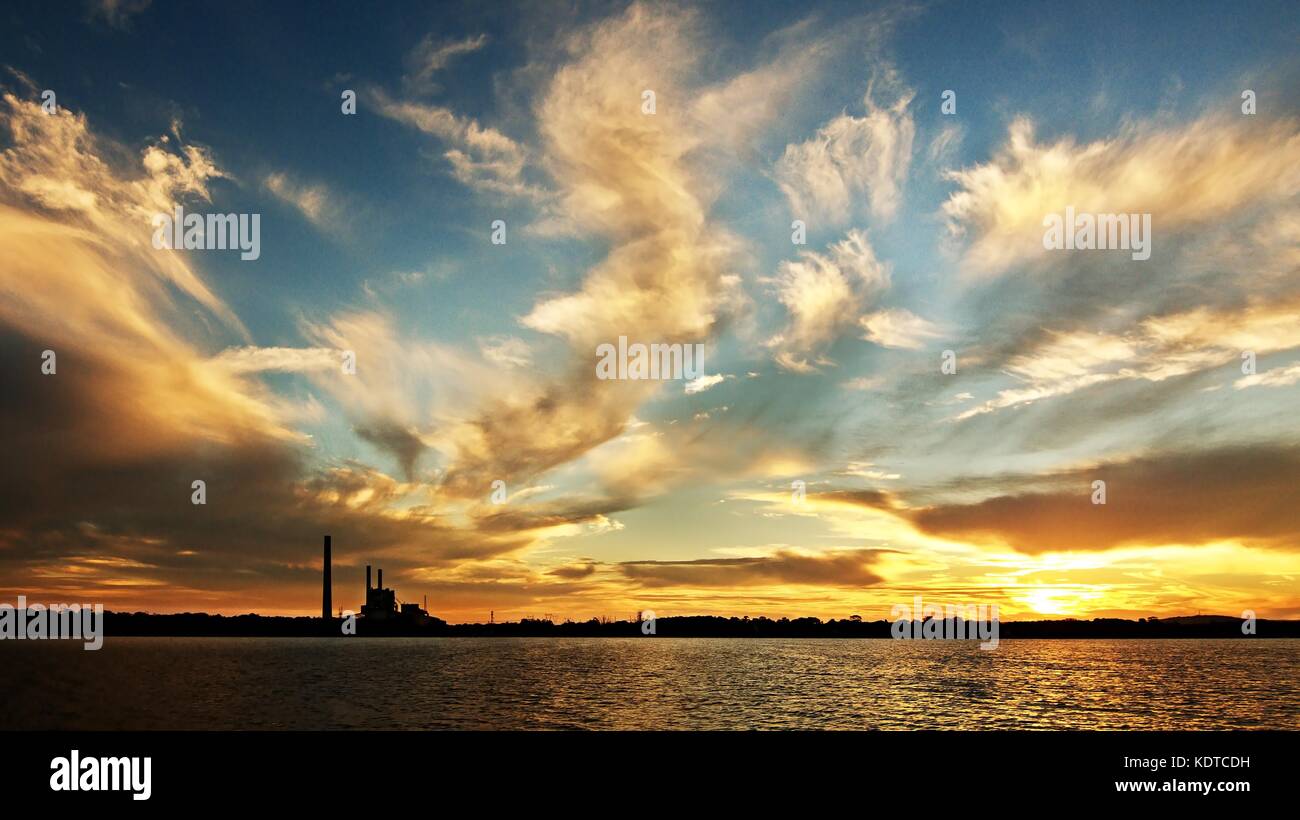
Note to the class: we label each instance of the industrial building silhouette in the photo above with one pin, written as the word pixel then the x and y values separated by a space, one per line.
pixel 383 614
pixel 381 604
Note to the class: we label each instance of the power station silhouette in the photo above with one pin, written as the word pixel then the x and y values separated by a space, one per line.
pixel 381 604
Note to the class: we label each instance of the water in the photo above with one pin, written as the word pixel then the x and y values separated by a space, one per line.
pixel 650 683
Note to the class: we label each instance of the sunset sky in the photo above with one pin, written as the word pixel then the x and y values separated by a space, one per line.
pixel 475 362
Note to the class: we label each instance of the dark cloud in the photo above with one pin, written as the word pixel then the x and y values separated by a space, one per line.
pixel 392 438
pixel 573 571
pixel 864 498
pixel 103 498
pixel 848 568
pixel 540 516
pixel 1248 493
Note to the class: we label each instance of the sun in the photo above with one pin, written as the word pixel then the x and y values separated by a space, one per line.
pixel 1047 601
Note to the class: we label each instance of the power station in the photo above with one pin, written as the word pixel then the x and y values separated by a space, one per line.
pixel 381 604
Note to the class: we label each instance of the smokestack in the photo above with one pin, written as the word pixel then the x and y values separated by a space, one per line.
pixel 381 578
pixel 328 586
pixel 327 592
pixel 367 577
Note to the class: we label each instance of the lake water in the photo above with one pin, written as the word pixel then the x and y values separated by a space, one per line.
pixel 649 683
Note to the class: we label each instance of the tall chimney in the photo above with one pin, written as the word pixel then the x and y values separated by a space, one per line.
pixel 327 592
pixel 367 579
pixel 381 578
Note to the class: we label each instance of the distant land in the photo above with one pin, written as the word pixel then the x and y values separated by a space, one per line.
pixel 692 626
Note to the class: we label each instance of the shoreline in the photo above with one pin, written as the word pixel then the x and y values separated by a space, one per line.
pixel 197 625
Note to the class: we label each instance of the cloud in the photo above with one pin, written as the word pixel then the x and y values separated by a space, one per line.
pixel 705 382
pixel 82 276
pixel 55 164
pixel 1277 377
pixel 1161 347
pixel 431 56
pixel 506 351
pixel 736 111
pixel 824 294
pixel 138 408
pixel 865 469
pixel 629 180
pixel 480 157
pixel 626 177
pixel 849 157
pixel 403 443
pixel 1241 493
pixel 899 328
pixel 843 568
pixel 874 499
pixel 1187 175
pixel 159 382
pixel 249 359
pixel 404 382
pixel 865 383
pixel 574 571
pixel 945 144
pixel 314 202
pixel 562 517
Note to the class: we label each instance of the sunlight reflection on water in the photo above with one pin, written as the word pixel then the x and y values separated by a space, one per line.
pixel 658 683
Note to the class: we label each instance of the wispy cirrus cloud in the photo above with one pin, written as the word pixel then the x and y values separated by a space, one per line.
pixel 506 351
pixel 851 158
pixel 1185 175
pixel 897 327
pixel 317 204
pixel 1161 347
pixel 1277 377
pixel 249 359
pixel 480 157
pixel 705 382
pixel 432 56
pixel 824 294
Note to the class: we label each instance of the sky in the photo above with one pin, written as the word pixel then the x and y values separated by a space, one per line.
pixel 917 399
